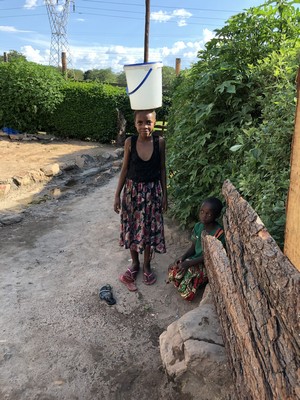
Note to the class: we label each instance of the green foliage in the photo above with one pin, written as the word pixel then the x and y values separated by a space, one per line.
pixel 13 55
pixel 89 110
pixel 101 75
pixel 232 116
pixel 168 79
pixel 28 94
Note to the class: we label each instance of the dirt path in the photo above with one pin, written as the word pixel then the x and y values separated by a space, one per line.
pixel 58 340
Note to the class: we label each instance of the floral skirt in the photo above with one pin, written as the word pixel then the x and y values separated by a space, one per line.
pixel 141 217
pixel 188 282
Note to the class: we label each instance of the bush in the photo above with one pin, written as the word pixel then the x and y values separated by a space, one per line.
pixel 232 116
pixel 28 94
pixel 89 110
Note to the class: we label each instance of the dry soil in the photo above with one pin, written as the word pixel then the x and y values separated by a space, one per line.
pixel 58 340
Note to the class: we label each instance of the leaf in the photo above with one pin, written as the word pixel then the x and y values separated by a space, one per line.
pixel 236 147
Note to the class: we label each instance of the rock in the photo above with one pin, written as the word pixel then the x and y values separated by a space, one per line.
pixel 119 152
pixel 68 165
pixel 84 160
pixel 11 219
pixel 37 175
pixel 106 156
pixel 193 353
pixel 22 180
pixel 117 163
pixel 51 169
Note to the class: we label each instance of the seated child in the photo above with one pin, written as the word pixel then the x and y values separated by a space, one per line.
pixel 188 272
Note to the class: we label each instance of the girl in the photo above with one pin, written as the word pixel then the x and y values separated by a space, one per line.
pixel 188 272
pixel 143 177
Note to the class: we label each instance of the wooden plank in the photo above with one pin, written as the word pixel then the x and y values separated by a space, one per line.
pixel 292 228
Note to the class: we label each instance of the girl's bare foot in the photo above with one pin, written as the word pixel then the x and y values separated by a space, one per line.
pixel 129 277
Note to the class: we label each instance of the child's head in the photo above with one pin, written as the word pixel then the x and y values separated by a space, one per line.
pixel 144 121
pixel 137 112
pixel 210 210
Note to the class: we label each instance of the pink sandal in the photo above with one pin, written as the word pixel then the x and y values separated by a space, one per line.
pixel 149 279
pixel 128 278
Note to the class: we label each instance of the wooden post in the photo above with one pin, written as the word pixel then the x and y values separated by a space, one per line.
pixel 147 23
pixel 64 63
pixel 5 58
pixel 292 227
pixel 177 66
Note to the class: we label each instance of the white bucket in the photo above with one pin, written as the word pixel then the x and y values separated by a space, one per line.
pixel 144 85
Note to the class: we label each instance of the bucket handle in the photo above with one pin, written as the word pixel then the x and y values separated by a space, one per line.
pixel 137 88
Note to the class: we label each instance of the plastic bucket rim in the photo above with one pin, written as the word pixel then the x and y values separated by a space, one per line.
pixel 143 64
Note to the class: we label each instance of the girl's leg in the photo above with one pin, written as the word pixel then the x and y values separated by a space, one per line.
pixel 149 277
pixel 129 276
pixel 147 259
pixel 135 261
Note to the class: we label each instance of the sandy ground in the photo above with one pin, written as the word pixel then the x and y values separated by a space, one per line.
pixel 58 340
pixel 19 157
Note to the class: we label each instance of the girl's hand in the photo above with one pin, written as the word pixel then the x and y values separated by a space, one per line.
pixel 117 204
pixel 164 204
pixel 178 260
pixel 183 266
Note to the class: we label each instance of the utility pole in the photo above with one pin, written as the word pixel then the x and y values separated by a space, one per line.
pixel 58 13
pixel 177 66
pixel 147 24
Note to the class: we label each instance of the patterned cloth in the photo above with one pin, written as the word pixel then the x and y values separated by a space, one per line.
pixel 141 217
pixel 188 282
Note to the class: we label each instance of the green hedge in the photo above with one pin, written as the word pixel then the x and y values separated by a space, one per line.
pixel 89 110
pixel 28 94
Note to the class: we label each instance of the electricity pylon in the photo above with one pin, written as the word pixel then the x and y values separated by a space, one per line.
pixel 58 13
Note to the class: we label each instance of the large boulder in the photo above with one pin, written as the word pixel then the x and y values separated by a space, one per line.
pixel 193 353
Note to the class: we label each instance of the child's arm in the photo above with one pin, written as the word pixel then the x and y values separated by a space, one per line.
pixel 163 173
pixel 123 173
pixel 190 252
pixel 184 265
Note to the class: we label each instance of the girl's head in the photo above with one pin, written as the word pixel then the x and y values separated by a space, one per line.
pixel 144 121
pixel 210 210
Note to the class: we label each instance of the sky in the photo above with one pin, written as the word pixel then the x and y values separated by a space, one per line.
pixel 110 34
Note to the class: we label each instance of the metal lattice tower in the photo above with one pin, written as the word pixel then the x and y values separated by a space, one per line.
pixel 58 13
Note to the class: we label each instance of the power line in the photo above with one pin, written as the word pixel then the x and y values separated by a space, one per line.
pixel 139 12
pixel 132 4
pixel 158 6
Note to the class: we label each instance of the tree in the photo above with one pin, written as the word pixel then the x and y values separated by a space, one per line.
pixel 121 79
pixel 13 55
pixel 101 75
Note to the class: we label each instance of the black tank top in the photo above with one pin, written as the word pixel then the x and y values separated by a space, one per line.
pixel 144 171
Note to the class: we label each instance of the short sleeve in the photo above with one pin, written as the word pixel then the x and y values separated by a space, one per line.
pixel 196 233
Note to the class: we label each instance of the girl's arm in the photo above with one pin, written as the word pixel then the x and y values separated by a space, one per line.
pixel 190 263
pixel 190 252
pixel 123 173
pixel 163 173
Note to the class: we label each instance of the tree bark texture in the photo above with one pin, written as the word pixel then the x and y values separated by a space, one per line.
pixel 256 291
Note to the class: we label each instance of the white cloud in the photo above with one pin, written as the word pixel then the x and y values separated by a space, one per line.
pixel 180 16
pixel 30 4
pixel 182 13
pixel 35 55
pixel 116 56
pixel 160 16
pixel 207 35
pixel 80 19
pixel 10 29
